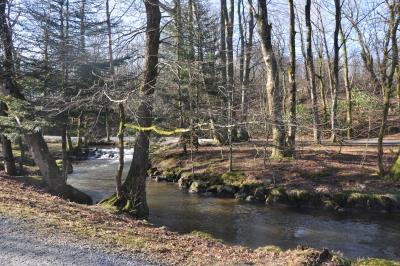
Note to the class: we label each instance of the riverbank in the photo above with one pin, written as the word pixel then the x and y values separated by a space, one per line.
pixel 51 215
pixel 330 177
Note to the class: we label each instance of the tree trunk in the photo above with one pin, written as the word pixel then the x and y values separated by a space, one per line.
pixel 64 152
pixel 243 134
pixel 336 49
pixel 78 134
pixel 22 158
pixel 311 73
pixel 223 43
pixel 133 200
pixel 322 84
pixel 272 86
pixel 108 135
pixel 9 161
pixel 118 177
pixel 45 161
pixel 179 57
pixel 69 141
pixel 394 19
pixel 292 82
pixel 349 116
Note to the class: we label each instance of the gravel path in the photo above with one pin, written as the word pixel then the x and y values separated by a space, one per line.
pixel 21 245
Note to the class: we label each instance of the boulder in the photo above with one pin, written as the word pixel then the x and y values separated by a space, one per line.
pixel 250 199
pixel 225 191
pixel 241 195
pixel 197 186
pixel 185 181
pixel 260 194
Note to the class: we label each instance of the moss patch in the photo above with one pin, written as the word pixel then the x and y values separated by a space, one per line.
pixel 270 249
pixel 376 262
pixel 206 236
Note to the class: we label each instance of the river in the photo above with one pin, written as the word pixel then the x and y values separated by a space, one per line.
pixel 354 235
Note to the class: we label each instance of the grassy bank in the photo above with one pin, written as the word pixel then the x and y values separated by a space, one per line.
pixel 51 214
pixel 118 233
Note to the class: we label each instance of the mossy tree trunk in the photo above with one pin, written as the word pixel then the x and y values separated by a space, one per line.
pixel 52 175
pixel 272 73
pixel 133 198
pixel 394 20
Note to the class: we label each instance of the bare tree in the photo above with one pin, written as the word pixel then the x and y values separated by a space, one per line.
pixel 336 49
pixel 272 86
pixel 292 81
pixel 311 73
pixel 133 199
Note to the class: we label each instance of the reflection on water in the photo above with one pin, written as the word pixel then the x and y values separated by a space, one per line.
pixel 251 225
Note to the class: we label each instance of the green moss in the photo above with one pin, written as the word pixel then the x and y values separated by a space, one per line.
pixel 16 152
pixel 376 262
pixel 233 178
pixel 205 235
pixel 270 249
pixel 239 180
pixel 59 163
pixel 297 195
pixel 277 195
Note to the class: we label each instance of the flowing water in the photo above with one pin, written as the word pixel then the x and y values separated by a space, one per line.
pixel 355 235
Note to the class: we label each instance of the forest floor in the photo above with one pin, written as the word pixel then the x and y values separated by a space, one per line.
pixel 95 234
pixel 323 168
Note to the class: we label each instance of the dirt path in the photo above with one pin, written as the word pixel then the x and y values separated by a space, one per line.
pixel 21 245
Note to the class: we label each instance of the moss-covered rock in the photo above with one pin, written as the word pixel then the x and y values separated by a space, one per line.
pixel 277 195
pixel 225 191
pixel 233 178
pixel 153 172
pixel 198 186
pixel 185 180
pixel 298 197
pixel 359 200
pixel 260 194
